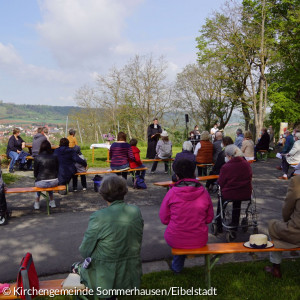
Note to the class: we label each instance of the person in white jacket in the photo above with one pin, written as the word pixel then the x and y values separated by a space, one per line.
pixel 293 157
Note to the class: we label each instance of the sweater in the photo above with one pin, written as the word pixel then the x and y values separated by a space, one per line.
pixel 120 154
pixel 136 153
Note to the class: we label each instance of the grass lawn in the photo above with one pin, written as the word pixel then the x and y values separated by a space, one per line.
pixel 101 156
pixel 232 281
pixel 9 178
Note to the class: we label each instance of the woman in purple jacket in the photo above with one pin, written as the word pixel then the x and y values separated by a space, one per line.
pixel 235 181
pixel 186 209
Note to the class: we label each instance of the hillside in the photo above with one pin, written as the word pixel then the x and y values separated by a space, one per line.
pixel 30 114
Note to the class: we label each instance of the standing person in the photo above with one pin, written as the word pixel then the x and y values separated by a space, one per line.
pixel 120 153
pixel 37 141
pixel 45 172
pixel 239 138
pixel 79 169
pixel 186 210
pixel 14 148
pixel 213 131
pixel 67 158
pixel 72 139
pixel 196 130
pixel 153 134
pixel 263 143
pixel 112 242
pixel 248 146
pixel 163 151
pixel 286 233
pixel 137 164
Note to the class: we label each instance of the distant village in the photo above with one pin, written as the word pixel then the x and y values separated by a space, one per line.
pixel 29 130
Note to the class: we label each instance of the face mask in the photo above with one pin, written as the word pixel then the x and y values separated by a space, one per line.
pixel 222 145
pixel 284 135
pixel 226 159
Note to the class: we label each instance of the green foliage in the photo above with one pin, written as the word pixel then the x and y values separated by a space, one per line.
pixel 10 178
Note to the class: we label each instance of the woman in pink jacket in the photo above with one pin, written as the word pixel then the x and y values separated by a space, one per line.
pixel 186 209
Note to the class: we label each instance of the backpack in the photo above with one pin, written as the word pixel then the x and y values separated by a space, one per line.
pixel 165 150
pixel 139 183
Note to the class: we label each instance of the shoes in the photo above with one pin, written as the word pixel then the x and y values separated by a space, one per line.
pixel 36 205
pixel 166 172
pixel 152 172
pixel 84 189
pixel 279 168
pixel 273 270
pixel 75 190
pixel 52 203
pixel 283 178
pixel 11 171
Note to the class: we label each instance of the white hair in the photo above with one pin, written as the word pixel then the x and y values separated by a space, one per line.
pixel 233 151
pixel 187 145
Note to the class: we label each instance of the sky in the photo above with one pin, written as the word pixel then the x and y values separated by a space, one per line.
pixel 51 48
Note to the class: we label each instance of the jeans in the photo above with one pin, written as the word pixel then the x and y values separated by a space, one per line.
pixel 178 263
pixel 276 257
pixel 46 184
pixel 141 173
pixel 75 180
pixel 14 157
pixel 124 174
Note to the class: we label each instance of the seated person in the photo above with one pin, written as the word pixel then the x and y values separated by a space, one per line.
pixel 217 145
pixel 239 138
pixel 263 143
pixel 67 158
pixel 227 140
pixel 293 157
pixel 286 233
pixel 235 182
pixel 287 145
pixel 187 153
pixel 204 152
pixel 137 164
pixel 45 172
pixel 15 151
pixel 37 141
pixel 72 139
pixel 248 146
pixel 120 153
pixel 163 151
pixel 113 241
pixel 186 210
pixel 79 169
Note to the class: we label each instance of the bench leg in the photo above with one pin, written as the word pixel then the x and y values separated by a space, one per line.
pixel 170 166
pixel 47 197
pixel 210 261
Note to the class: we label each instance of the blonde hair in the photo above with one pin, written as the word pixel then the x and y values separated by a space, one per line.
pixel 205 136
pixel 248 135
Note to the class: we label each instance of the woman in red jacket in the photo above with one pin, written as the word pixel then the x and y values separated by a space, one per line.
pixel 137 164
pixel 235 181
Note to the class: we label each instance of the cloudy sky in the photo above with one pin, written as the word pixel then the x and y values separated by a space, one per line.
pixel 50 48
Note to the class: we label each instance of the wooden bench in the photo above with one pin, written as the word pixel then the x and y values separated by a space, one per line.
pixel 8 158
pixel 201 178
pixel 112 171
pixel 48 288
pixel 37 189
pixel 213 252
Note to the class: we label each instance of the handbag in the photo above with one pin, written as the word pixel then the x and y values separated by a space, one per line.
pixel 27 279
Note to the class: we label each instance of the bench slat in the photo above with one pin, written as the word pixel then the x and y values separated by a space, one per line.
pixel 34 189
pixel 225 248
pixel 108 172
pixel 201 178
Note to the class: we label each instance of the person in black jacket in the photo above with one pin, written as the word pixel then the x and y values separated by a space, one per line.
pixel 14 148
pixel 45 172
pixel 67 158
pixel 263 143
pixel 153 134
pixel 227 140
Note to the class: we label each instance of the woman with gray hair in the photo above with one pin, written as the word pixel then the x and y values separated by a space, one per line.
pixel 235 181
pixel 112 242
pixel 187 153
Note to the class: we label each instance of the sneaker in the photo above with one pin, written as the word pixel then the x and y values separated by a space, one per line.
pixel 52 203
pixel 84 189
pixel 36 205
pixel 166 172
pixel 74 190
pixel 152 172
pixel 283 178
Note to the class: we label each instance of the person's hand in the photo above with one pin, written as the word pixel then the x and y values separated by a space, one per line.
pixel 152 136
pixel 18 151
pixel 23 145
